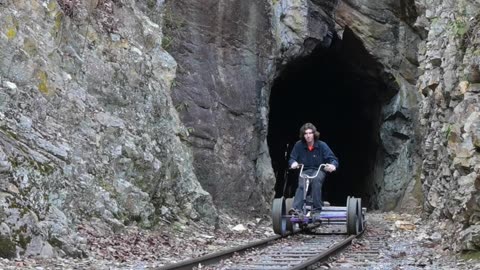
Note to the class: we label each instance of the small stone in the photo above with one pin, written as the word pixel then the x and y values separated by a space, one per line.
pixel 463 86
pixel 10 85
pixel 13 189
pixel 136 50
pixel 239 228
pixel 115 37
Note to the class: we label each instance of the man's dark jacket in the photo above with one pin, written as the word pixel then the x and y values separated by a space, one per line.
pixel 312 159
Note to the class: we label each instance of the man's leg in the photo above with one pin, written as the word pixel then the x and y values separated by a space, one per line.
pixel 298 199
pixel 317 191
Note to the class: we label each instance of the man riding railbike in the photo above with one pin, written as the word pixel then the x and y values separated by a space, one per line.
pixel 311 152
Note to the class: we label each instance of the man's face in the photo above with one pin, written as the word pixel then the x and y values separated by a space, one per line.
pixel 308 135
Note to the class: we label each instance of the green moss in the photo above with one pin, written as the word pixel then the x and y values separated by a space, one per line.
pixel 107 186
pixel 44 169
pixel 448 132
pixel 132 219
pixel 30 47
pixel 52 6
pixel 57 26
pixel 172 23
pixel 20 238
pixel 177 226
pixel 12 27
pixel 55 242
pixel 9 133
pixel 166 42
pixel 183 106
pixel 473 255
pixel 11 32
pixel 460 28
pixel 43 82
pixel 7 248
pixel 23 240
pixel 151 4
pixel 12 203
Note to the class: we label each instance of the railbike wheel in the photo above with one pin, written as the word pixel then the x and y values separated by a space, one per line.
pixel 278 211
pixel 288 206
pixel 353 222
pixel 361 218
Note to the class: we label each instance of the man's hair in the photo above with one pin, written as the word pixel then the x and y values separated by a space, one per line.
pixel 306 126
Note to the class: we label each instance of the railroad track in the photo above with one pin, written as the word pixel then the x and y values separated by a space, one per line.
pixel 370 252
pixel 293 251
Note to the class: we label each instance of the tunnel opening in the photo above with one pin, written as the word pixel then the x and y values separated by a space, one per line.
pixel 341 90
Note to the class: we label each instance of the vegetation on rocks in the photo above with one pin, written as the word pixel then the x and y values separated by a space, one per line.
pixel 7 248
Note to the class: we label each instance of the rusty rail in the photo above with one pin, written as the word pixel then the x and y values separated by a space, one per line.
pixel 277 255
pixel 218 256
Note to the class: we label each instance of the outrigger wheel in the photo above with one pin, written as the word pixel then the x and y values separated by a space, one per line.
pixel 278 219
pixel 288 206
pixel 354 215
pixel 361 216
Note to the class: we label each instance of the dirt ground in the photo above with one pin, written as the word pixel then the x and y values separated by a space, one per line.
pixel 408 242
pixel 405 242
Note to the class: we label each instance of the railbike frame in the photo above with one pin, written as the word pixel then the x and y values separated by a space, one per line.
pixel 306 184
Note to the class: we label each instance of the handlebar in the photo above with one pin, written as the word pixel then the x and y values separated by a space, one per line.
pixel 313 176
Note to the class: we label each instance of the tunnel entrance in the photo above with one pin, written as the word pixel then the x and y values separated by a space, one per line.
pixel 341 90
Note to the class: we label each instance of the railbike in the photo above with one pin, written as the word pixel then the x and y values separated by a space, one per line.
pixel 352 215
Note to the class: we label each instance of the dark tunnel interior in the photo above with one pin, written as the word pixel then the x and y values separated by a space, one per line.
pixel 341 90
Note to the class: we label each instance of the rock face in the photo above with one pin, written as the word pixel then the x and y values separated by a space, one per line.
pixel 434 60
pixel 224 53
pixel 449 116
pixel 387 32
pixel 87 125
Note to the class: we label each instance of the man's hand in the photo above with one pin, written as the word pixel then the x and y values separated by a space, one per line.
pixel 294 165
pixel 330 168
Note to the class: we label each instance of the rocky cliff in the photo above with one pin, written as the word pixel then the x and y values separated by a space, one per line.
pixel 88 130
pixel 449 59
pixel 224 54
pixel 430 47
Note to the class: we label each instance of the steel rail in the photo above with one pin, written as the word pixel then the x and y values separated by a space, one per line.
pixel 218 256
pixel 227 253
pixel 329 252
pixel 223 254
pixel 269 259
